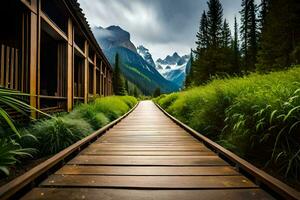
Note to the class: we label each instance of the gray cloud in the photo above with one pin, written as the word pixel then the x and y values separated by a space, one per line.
pixel 163 26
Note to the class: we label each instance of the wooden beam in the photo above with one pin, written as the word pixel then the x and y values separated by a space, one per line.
pixel 95 76
pixel 53 26
pixel 33 61
pixel 86 69
pixel 101 79
pixel 91 61
pixel 32 5
pixel 38 55
pixel 77 48
pixel 70 67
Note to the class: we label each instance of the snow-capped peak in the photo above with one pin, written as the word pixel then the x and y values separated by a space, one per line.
pixel 173 67
pixel 146 55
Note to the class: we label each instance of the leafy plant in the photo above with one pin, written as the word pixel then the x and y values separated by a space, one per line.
pixel 10 98
pixel 58 133
pixel 9 150
pixel 256 116
pixel 89 114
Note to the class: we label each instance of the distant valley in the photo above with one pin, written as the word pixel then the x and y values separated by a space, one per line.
pixel 138 65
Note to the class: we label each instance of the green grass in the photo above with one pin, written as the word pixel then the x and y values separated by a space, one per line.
pixel 138 72
pixel 55 134
pixel 257 117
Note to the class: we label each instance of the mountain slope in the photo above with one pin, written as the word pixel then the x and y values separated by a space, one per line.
pixel 134 67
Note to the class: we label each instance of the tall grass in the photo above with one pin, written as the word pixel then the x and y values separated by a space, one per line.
pixel 62 130
pixel 10 149
pixel 257 117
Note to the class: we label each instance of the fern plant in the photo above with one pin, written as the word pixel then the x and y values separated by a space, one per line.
pixel 10 150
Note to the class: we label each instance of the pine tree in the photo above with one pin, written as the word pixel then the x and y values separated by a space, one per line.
pixel 280 45
pixel 264 10
pixel 236 48
pixel 126 86
pixel 202 36
pixel 226 35
pixel 118 81
pixel 215 20
pixel 249 34
pixel 190 72
pixel 156 92
pixel 135 92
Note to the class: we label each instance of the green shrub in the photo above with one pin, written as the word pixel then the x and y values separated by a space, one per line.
pixel 129 100
pixel 89 114
pixel 168 100
pixel 113 107
pixel 57 133
pixel 63 130
pixel 257 117
pixel 10 151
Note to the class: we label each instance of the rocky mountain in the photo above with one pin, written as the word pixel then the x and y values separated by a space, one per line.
pixel 144 52
pixel 136 68
pixel 173 68
pixel 113 36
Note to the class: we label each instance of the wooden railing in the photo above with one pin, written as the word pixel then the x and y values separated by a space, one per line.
pixel 9 67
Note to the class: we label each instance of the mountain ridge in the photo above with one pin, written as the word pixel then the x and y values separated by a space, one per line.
pixel 134 67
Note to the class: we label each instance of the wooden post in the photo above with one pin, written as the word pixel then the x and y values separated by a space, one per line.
pixel 95 76
pixel 70 67
pixel 7 67
pixel 101 78
pixel 33 58
pixel 86 70
pixel 105 81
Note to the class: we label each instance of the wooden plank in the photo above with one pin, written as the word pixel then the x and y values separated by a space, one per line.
pixel 154 147
pixel 97 152
pixel 148 160
pixel 22 181
pixel 147 171
pixel 161 182
pixel 274 184
pixel 125 194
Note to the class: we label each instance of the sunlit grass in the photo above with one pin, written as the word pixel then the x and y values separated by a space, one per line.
pixel 257 117
pixel 55 134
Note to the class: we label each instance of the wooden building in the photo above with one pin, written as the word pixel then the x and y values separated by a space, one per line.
pixel 49 52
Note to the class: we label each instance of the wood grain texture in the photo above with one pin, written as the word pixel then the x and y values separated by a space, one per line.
pixel 143 157
pixel 125 194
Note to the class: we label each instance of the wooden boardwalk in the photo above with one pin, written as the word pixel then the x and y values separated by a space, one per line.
pixel 147 156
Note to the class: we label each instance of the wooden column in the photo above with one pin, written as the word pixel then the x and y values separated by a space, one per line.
pixel 95 76
pixel 34 40
pixel 101 78
pixel 70 67
pixel 86 70
pixel 105 82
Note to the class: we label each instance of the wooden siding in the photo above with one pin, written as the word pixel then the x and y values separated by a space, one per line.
pixel 21 66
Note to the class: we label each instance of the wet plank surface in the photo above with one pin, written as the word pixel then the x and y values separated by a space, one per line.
pixel 147 156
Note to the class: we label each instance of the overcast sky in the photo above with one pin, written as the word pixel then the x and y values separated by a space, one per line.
pixel 162 26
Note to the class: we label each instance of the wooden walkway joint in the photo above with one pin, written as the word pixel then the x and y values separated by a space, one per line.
pixel 147 156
